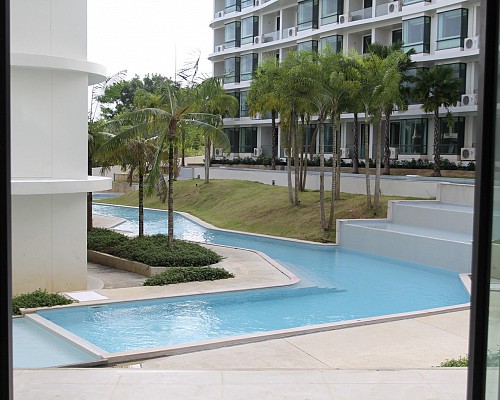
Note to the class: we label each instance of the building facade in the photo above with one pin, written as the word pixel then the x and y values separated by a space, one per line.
pixel 440 31
pixel 50 76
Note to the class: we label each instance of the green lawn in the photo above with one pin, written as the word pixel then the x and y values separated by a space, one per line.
pixel 258 208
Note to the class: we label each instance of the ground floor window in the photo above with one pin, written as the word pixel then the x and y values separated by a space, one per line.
pixel 452 135
pixel 409 136
pixel 248 139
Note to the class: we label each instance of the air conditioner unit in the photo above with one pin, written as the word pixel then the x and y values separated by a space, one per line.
pixel 292 31
pixel 257 151
pixel 467 154
pixel 257 116
pixel 256 3
pixel 471 43
pixel 219 152
pixel 256 40
pixel 469 100
pixel 393 153
pixel 344 152
pixel 393 7
pixel 287 153
pixel 219 48
pixel 344 18
pixel 220 14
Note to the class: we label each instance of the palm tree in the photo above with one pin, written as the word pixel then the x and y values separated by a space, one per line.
pixel 263 96
pixel 435 88
pixel 211 98
pixel 96 136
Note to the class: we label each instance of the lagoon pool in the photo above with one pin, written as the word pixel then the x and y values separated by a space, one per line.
pixel 335 285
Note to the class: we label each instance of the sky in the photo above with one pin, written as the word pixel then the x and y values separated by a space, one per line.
pixel 149 36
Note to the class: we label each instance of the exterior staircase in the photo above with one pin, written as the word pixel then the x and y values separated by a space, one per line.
pixel 437 233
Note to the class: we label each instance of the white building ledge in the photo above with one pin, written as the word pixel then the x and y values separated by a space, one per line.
pixel 96 72
pixel 60 186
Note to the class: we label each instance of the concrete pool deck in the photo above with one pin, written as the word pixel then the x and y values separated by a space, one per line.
pixel 386 360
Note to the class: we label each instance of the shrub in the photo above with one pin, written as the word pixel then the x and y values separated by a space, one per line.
pixel 102 239
pixel 154 251
pixel 455 362
pixel 36 299
pixel 187 274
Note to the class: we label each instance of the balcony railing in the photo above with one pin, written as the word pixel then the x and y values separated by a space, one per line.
pixel 270 37
pixel 361 14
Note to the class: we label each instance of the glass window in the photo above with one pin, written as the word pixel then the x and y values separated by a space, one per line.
pixel 249 64
pixel 231 70
pixel 329 137
pixel 234 138
pixel 407 81
pixel 330 10
pixel 416 34
pixel 249 29
pixel 397 36
pixel 334 41
pixel 232 5
pixel 367 41
pixel 394 134
pixel 246 3
pixel 307 136
pixel 452 135
pixel 232 35
pixel 237 95
pixel 413 136
pixel 248 139
pixel 460 73
pixel 310 45
pixel 307 14
pixel 452 28
pixel 243 104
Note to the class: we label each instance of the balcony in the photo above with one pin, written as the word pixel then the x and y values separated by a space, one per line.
pixel 270 37
pixel 359 15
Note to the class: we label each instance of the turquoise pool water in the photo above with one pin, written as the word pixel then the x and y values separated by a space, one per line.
pixel 335 285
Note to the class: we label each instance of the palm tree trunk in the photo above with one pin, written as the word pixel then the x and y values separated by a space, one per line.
pixel 141 201
pixel 437 145
pixel 367 161
pixel 171 189
pixel 207 159
pixel 183 150
pixel 312 149
pixel 334 176
pixel 376 196
pixel 274 140
pixel 387 137
pixel 355 151
pixel 337 168
pixel 289 176
pixel 322 175
pixel 296 159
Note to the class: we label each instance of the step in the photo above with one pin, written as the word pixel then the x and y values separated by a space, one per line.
pixel 433 215
pixel 433 247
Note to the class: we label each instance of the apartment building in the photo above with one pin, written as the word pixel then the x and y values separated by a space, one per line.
pixel 441 32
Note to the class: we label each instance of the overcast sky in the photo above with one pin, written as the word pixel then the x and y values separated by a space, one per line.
pixel 149 36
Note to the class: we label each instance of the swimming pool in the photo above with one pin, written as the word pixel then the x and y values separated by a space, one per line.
pixel 335 285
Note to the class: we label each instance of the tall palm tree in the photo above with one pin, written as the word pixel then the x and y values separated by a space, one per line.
pixel 211 98
pixel 263 96
pixel 435 88
pixel 96 136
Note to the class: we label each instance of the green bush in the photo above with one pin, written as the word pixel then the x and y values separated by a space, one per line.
pixel 456 362
pixel 36 299
pixel 102 239
pixel 154 251
pixel 187 274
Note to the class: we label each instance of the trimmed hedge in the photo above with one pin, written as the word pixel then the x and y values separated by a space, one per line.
pixel 103 240
pixel 153 250
pixel 36 299
pixel 187 274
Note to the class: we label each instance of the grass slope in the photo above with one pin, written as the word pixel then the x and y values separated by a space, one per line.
pixel 258 208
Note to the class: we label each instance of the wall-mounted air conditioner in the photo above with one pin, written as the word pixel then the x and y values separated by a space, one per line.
pixel 292 31
pixel 256 3
pixel 287 153
pixel 220 14
pixel 344 152
pixel 256 116
pixel 393 153
pixel 257 151
pixel 219 152
pixel 471 43
pixel 393 7
pixel 219 48
pixel 257 40
pixel 467 154
pixel 345 18
pixel 469 100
